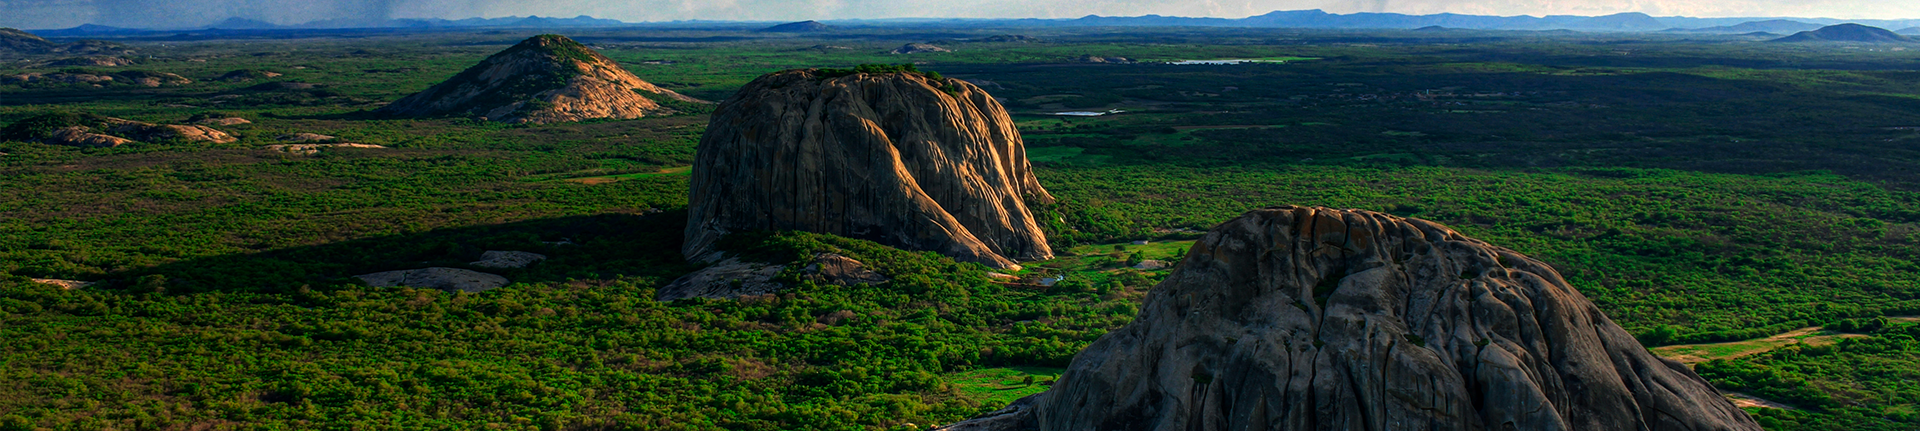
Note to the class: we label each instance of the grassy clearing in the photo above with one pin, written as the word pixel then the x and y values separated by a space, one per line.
pixel 1003 385
pixel 682 170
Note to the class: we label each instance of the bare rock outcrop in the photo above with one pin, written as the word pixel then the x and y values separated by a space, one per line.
pixel 80 136
pixel 727 279
pixel 901 159
pixel 1320 319
pixel 544 79
pixel 448 279
pixel 304 137
pixel 918 48
pixel 734 278
pixel 64 284
pixel 834 268
pixel 222 121
pixel 91 62
pixel 89 130
pixel 508 259
pixel 315 148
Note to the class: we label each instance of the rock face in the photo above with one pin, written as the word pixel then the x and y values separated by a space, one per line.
pixel 1318 319
pixel 449 279
pixel 544 79
pixel 1847 33
pixel 896 158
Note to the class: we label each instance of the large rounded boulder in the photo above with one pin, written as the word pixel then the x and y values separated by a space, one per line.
pixel 901 158
pixel 1298 318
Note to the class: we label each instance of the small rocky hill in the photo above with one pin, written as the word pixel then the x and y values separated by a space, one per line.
pixel 14 42
pixel 89 130
pixel 20 42
pixel 798 27
pixel 1304 318
pixel 544 79
pixel 1847 33
pixel 918 48
pixel 901 158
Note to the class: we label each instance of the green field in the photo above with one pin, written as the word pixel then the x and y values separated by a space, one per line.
pixel 1701 190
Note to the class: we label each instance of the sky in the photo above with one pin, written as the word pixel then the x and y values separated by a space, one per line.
pixel 41 14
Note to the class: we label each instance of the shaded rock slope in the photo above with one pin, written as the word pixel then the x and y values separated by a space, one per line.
pixel 1302 318
pixel 901 159
pixel 544 79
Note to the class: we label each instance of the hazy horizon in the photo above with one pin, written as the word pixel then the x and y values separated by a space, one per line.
pixel 47 14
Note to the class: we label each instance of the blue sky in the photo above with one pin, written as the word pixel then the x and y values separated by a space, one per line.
pixel 189 13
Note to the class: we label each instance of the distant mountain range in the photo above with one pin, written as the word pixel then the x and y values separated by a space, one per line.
pixel 1769 26
pixel 1632 21
pixel 243 24
pixel 1313 19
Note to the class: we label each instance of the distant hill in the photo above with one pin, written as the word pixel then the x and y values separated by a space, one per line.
pixel 1770 26
pixel 798 27
pixel 14 41
pixel 91 30
pixel 237 23
pixel 578 21
pixel 20 43
pixel 1910 30
pixel 1632 21
pixel 1847 33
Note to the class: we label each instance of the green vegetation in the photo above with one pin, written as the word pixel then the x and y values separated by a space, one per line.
pixel 1856 383
pixel 873 69
pixel 1696 192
